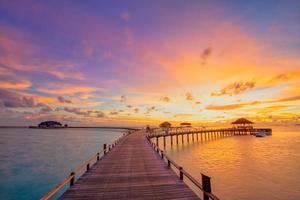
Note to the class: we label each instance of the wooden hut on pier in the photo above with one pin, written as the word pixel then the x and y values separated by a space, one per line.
pixel 185 125
pixel 242 123
pixel 165 125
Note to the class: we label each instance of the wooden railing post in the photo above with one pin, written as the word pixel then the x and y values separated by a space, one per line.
pixel 88 167
pixel 180 173
pixel 169 163
pixel 104 148
pixel 206 186
pixel 72 179
pixel 162 155
pixel 98 156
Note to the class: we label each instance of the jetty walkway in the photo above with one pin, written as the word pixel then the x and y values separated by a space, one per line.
pixel 132 167
pixel 131 170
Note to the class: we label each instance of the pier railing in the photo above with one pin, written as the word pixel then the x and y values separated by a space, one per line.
pixel 160 132
pixel 84 167
pixel 205 186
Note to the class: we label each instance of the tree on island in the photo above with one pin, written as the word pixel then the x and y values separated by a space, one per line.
pixel 50 124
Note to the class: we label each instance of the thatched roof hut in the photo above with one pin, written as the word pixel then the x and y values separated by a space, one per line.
pixel 165 125
pixel 242 121
pixel 185 124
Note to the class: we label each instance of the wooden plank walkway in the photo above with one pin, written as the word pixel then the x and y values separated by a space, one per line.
pixel 131 170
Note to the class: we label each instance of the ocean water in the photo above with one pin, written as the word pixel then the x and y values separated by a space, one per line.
pixel 245 167
pixel 33 161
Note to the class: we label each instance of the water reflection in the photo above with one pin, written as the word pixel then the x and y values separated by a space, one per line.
pixel 35 160
pixel 245 167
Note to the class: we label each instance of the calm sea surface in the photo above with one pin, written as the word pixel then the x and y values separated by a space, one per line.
pixel 33 161
pixel 246 167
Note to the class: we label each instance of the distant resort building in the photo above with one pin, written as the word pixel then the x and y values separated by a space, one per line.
pixel 50 124
pixel 242 123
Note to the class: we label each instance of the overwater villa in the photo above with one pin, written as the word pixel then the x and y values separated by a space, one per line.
pixel 242 123
pixel 50 124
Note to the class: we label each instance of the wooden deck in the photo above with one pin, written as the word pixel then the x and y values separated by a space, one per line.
pixel 131 170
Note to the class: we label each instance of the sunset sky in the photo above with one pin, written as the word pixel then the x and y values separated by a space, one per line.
pixel 143 62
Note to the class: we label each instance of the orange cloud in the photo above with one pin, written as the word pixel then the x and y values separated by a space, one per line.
pixel 251 103
pixel 165 99
pixel 235 88
pixel 20 85
pixel 189 96
pixel 68 89
pixel 224 107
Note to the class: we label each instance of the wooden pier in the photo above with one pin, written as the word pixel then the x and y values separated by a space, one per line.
pixel 181 135
pixel 132 169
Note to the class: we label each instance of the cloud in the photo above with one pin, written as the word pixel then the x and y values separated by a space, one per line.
pixel 205 55
pixel 189 96
pixel 68 89
pixel 293 98
pixel 235 88
pixel 12 81
pixel 198 102
pixel 183 115
pixel 63 100
pixel 165 99
pixel 282 77
pixel 46 109
pixel 100 114
pixel 250 103
pixel 129 106
pixel 85 113
pixel 66 75
pixel 13 41
pixel 136 110
pixel 76 111
pixel 150 109
pixel 114 113
pixel 224 107
pixel 123 99
pixel 15 100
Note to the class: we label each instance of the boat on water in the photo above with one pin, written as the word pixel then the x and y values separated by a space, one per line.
pixel 260 134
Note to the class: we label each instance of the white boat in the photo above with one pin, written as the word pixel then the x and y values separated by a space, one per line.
pixel 260 134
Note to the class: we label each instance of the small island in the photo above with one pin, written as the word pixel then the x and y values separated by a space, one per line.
pixel 49 125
